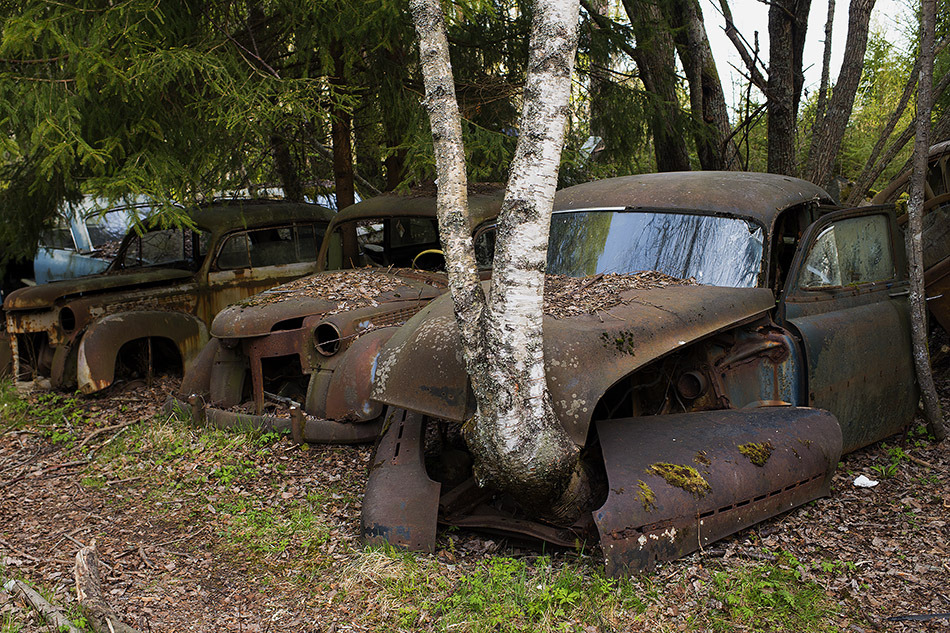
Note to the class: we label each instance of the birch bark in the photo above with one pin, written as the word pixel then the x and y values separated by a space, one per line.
pixel 915 214
pixel 517 443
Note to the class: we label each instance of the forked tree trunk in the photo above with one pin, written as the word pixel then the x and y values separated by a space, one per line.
pixel 829 130
pixel 517 443
pixel 915 212
pixel 788 20
pixel 655 56
pixel 713 130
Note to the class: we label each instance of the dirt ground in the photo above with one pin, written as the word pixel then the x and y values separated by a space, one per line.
pixel 173 561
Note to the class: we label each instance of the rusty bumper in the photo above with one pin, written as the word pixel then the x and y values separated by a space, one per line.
pixel 302 427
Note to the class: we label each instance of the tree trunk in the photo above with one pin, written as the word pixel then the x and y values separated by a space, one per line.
pixel 517 443
pixel 828 132
pixel 915 206
pixel 825 83
pixel 101 617
pixel 655 58
pixel 286 170
pixel 713 130
pixel 788 20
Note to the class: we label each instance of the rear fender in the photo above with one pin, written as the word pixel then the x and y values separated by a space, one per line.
pixel 103 339
pixel 740 467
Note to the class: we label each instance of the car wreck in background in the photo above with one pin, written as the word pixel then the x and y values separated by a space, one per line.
pixel 770 334
pixel 936 227
pixel 301 357
pixel 153 304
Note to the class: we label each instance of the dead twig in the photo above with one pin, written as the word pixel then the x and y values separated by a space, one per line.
pixel 19 553
pixel 44 608
pixel 105 429
pixel 89 592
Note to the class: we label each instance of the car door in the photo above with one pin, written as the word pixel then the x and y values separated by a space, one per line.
pixel 846 298
pixel 250 261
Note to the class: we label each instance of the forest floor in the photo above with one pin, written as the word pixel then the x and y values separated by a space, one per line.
pixel 205 530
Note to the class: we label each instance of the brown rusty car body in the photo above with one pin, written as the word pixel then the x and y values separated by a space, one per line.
pixel 155 301
pixel 699 408
pixel 312 344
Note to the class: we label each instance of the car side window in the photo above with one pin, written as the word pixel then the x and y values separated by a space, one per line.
pixel 273 246
pixel 849 252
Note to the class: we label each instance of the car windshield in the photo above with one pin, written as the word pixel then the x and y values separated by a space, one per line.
pixel 716 251
pixel 179 248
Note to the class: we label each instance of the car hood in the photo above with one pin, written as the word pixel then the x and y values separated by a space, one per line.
pixel 324 293
pixel 46 295
pixel 421 368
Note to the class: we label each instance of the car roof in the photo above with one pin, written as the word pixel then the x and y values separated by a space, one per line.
pixel 229 215
pixel 747 194
pixel 484 203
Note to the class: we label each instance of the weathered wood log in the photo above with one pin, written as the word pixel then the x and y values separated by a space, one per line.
pixel 99 614
pixel 44 608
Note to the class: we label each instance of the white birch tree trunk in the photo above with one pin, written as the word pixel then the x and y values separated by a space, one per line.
pixel 915 212
pixel 517 443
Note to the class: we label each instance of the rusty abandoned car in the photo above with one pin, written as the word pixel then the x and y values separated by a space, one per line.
pixel 705 397
pixel 152 306
pixel 301 357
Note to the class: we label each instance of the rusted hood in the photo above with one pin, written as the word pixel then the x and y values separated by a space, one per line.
pixel 323 293
pixel 421 367
pixel 46 295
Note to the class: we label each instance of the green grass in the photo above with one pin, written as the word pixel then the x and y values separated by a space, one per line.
pixel 770 597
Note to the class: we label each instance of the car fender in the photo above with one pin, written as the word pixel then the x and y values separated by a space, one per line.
pixel 104 338
pixel 349 386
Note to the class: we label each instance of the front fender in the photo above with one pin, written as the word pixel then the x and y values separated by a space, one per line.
pixel 348 387
pixel 104 338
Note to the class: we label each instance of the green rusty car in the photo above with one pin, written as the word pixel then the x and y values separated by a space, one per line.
pixel 153 305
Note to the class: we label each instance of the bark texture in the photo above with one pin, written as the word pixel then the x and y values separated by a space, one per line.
pixel 788 21
pixel 89 592
pixel 713 131
pixel 655 58
pixel 915 212
pixel 517 443
pixel 825 83
pixel 830 129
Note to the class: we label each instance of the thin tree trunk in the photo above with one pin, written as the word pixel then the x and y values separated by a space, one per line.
pixel 871 169
pixel 655 58
pixel 903 138
pixel 915 251
pixel 827 135
pixel 825 83
pixel 750 60
pixel 286 170
pixel 517 443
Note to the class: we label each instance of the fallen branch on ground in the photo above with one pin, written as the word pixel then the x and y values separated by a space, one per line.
pixel 89 591
pixel 44 608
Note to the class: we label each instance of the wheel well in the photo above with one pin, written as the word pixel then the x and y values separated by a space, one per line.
pixel 157 353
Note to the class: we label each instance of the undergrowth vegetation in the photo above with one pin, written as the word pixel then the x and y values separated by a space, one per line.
pixel 291 518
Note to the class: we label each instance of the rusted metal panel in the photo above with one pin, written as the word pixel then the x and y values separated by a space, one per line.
pixel 937 283
pixel 45 296
pixel 102 341
pixel 859 366
pixel 6 353
pixel 348 394
pixel 583 355
pixel 680 482
pixel 401 503
pixel 745 194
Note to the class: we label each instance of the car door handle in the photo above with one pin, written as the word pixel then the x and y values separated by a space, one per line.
pixel 899 293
